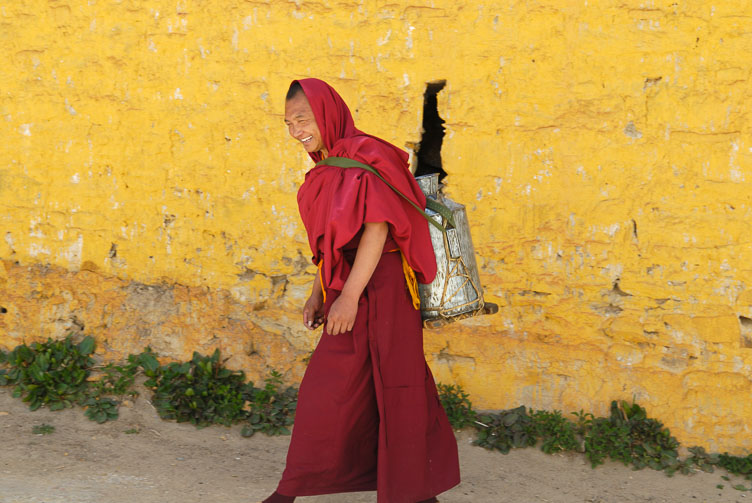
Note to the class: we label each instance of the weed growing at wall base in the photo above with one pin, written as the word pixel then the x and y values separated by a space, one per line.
pixel 52 373
pixel 457 405
pixel 202 391
pixel 60 374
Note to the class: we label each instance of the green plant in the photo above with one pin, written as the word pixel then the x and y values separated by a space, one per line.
pixel 100 409
pixel 116 380
pixel 505 430
pixel 52 373
pixel 605 439
pixel 557 433
pixel 201 391
pixel 629 436
pixel 43 429
pixel 457 405
pixel 584 420
pixel 738 465
pixel 272 410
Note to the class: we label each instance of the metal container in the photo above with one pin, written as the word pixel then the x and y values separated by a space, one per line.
pixel 456 291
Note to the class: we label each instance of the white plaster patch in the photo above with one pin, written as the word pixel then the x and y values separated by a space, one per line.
pixel 613 271
pixel 609 230
pixel 736 173
pixel 385 39
pixel 33 230
pixel 68 107
pixel 25 129
pixel 75 178
pixel 37 249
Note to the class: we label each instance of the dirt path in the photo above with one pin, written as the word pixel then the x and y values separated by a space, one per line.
pixel 166 462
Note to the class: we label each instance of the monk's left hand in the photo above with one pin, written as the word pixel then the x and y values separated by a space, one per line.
pixel 341 316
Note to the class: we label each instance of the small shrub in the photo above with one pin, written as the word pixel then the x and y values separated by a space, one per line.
pixel 272 410
pixel 116 380
pixel 630 437
pixel 557 433
pixel 201 391
pixel 457 405
pixel 700 459
pixel 506 430
pixel 43 429
pixel 604 439
pixel 52 373
pixel 738 465
pixel 101 409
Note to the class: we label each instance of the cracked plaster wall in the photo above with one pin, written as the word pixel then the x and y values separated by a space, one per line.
pixel 603 149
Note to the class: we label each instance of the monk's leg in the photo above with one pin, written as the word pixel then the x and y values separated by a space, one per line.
pixel 417 450
pixel 334 439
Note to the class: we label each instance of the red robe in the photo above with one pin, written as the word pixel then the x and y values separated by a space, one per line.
pixel 368 416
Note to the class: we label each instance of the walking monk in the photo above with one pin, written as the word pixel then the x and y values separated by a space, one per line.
pixel 368 417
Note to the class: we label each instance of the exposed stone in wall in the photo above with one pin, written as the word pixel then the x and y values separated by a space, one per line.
pixel 173 319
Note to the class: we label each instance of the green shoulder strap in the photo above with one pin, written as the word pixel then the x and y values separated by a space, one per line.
pixel 431 204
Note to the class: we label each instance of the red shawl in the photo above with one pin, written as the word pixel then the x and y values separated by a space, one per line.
pixel 335 202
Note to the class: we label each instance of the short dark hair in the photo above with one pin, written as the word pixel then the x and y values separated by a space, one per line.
pixel 295 89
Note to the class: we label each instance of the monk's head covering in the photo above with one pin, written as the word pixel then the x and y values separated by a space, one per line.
pixel 336 202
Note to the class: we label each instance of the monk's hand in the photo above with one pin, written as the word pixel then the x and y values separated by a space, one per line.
pixel 313 312
pixel 342 314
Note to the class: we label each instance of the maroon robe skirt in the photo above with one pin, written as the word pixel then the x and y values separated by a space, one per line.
pixel 369 416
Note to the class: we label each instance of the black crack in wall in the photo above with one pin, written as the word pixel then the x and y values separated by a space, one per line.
pixel 429 151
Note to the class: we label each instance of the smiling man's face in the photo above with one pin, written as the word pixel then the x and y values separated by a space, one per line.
pixel 301 123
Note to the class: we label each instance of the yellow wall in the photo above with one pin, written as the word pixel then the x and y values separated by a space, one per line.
pixel 603 149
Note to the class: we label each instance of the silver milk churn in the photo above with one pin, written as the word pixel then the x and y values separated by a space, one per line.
pixel 456 291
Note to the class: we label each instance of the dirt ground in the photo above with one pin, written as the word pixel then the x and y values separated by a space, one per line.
pixel 141 458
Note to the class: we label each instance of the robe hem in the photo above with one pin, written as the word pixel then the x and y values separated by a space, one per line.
pixel 330 490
